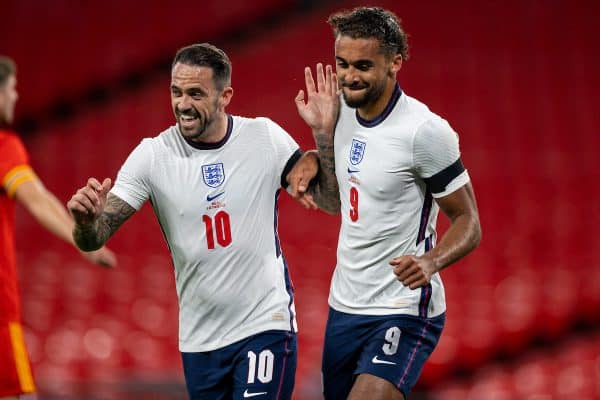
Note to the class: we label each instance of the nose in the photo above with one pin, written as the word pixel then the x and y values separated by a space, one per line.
pixel 351 75
pixel 185 103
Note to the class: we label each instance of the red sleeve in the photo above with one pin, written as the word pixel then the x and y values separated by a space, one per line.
pixel 12 153
pixel 14 163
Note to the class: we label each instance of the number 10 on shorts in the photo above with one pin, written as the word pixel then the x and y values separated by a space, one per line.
pixel 264 370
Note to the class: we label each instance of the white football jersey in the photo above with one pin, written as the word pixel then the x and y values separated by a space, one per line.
pixel 217 207
pixel 388 170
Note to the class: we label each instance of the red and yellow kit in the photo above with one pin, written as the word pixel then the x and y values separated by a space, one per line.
pixel 15 370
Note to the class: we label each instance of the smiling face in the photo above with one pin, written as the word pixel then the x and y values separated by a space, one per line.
pixel 197 101
pixel 366 75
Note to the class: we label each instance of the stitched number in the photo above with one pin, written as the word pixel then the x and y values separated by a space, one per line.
pixel 392 337
pixel 353 204
pixel 222 229
pixel 264 372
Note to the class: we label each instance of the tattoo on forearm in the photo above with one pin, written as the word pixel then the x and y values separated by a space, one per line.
pixel 326 194
pixel 92 237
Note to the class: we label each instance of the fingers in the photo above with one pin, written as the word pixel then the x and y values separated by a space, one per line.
pixel 311 202
pixel 405 271
pixel 299 99
pixel 106 184
pixel 308 202
pixel 328 85
pixel 320 78
pixel 89 200
pixel 335 89
pixel 86 200
pixel 409 272
pixel 107 258
pixel 94 184
pixel 310 83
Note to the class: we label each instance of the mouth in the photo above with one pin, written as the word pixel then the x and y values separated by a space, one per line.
pixel 188 121
pixel 355 88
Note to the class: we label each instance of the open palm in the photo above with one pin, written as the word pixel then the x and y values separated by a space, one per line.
pixel 321 108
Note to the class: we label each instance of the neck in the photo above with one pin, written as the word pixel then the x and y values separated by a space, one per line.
pixel 373 110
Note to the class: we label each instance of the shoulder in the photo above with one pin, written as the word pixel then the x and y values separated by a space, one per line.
pixel 416 109
pixel 427 123
pixel 169 138
pixel 12 149
pixel 257 123
pixel 10 140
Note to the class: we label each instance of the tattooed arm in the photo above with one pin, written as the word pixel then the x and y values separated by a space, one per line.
pixel 320 112
pixel 97 214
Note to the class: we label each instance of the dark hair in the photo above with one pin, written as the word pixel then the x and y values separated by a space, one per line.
pixel 372 22
pixel 7 68
pixel 206 55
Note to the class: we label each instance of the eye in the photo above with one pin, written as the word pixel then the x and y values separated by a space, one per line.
pixel 196 94
pixel 342 64
pixel 175 92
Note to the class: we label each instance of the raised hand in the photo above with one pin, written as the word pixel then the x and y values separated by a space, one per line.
pixel 320 111
pixel 87 205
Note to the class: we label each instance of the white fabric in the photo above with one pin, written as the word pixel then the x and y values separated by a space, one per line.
pixel 410 144
pixel 237 289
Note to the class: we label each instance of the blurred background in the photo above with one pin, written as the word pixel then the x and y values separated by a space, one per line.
pixel 516 79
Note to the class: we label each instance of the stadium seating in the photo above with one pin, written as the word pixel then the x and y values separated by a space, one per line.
pixel 64 49
pixel 519 94
pixel 568 371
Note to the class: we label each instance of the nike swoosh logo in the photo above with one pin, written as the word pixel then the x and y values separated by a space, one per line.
pixel 250 394
pixel 211 198
pixel 352 171
pixel 376 360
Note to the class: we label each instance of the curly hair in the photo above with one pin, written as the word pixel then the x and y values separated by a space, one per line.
pixel 372 22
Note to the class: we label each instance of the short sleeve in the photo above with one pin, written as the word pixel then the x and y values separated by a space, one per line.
pixel 285 146
pixel 437 158
pixel 14 163
pixel 133 183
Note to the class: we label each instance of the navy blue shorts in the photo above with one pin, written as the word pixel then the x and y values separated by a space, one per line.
pixel 392 347
pixel 261 367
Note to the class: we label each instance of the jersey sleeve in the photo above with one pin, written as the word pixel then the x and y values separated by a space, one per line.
pixel 287 151
pixel 14 164
pixel 133 183
pixel 437 158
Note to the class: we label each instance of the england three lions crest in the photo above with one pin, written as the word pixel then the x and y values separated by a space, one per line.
pixel 357 151
pixel 213 174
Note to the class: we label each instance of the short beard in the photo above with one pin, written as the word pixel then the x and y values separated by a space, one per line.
pixel 198 132
pixel 371 95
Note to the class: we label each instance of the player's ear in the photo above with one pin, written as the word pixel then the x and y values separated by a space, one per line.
pixel 395 64
pixel 226 96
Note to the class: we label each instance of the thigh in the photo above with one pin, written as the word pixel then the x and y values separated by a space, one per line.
pixel 208 375
pixel 399 348
pixel 15 370
pixel 266 367
pixel 344 336
pixel 374 388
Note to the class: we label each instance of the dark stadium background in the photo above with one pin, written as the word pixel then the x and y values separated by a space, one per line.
pixel 518 81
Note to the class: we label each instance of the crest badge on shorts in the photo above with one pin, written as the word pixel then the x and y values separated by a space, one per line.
pixel 357 151
pixel 213 174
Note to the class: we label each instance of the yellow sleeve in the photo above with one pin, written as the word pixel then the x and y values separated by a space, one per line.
pixel 16 177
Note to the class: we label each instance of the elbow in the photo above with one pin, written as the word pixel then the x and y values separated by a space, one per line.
pixel 330 207
pixel 85 243
pixel 477 233
pixel 87 246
